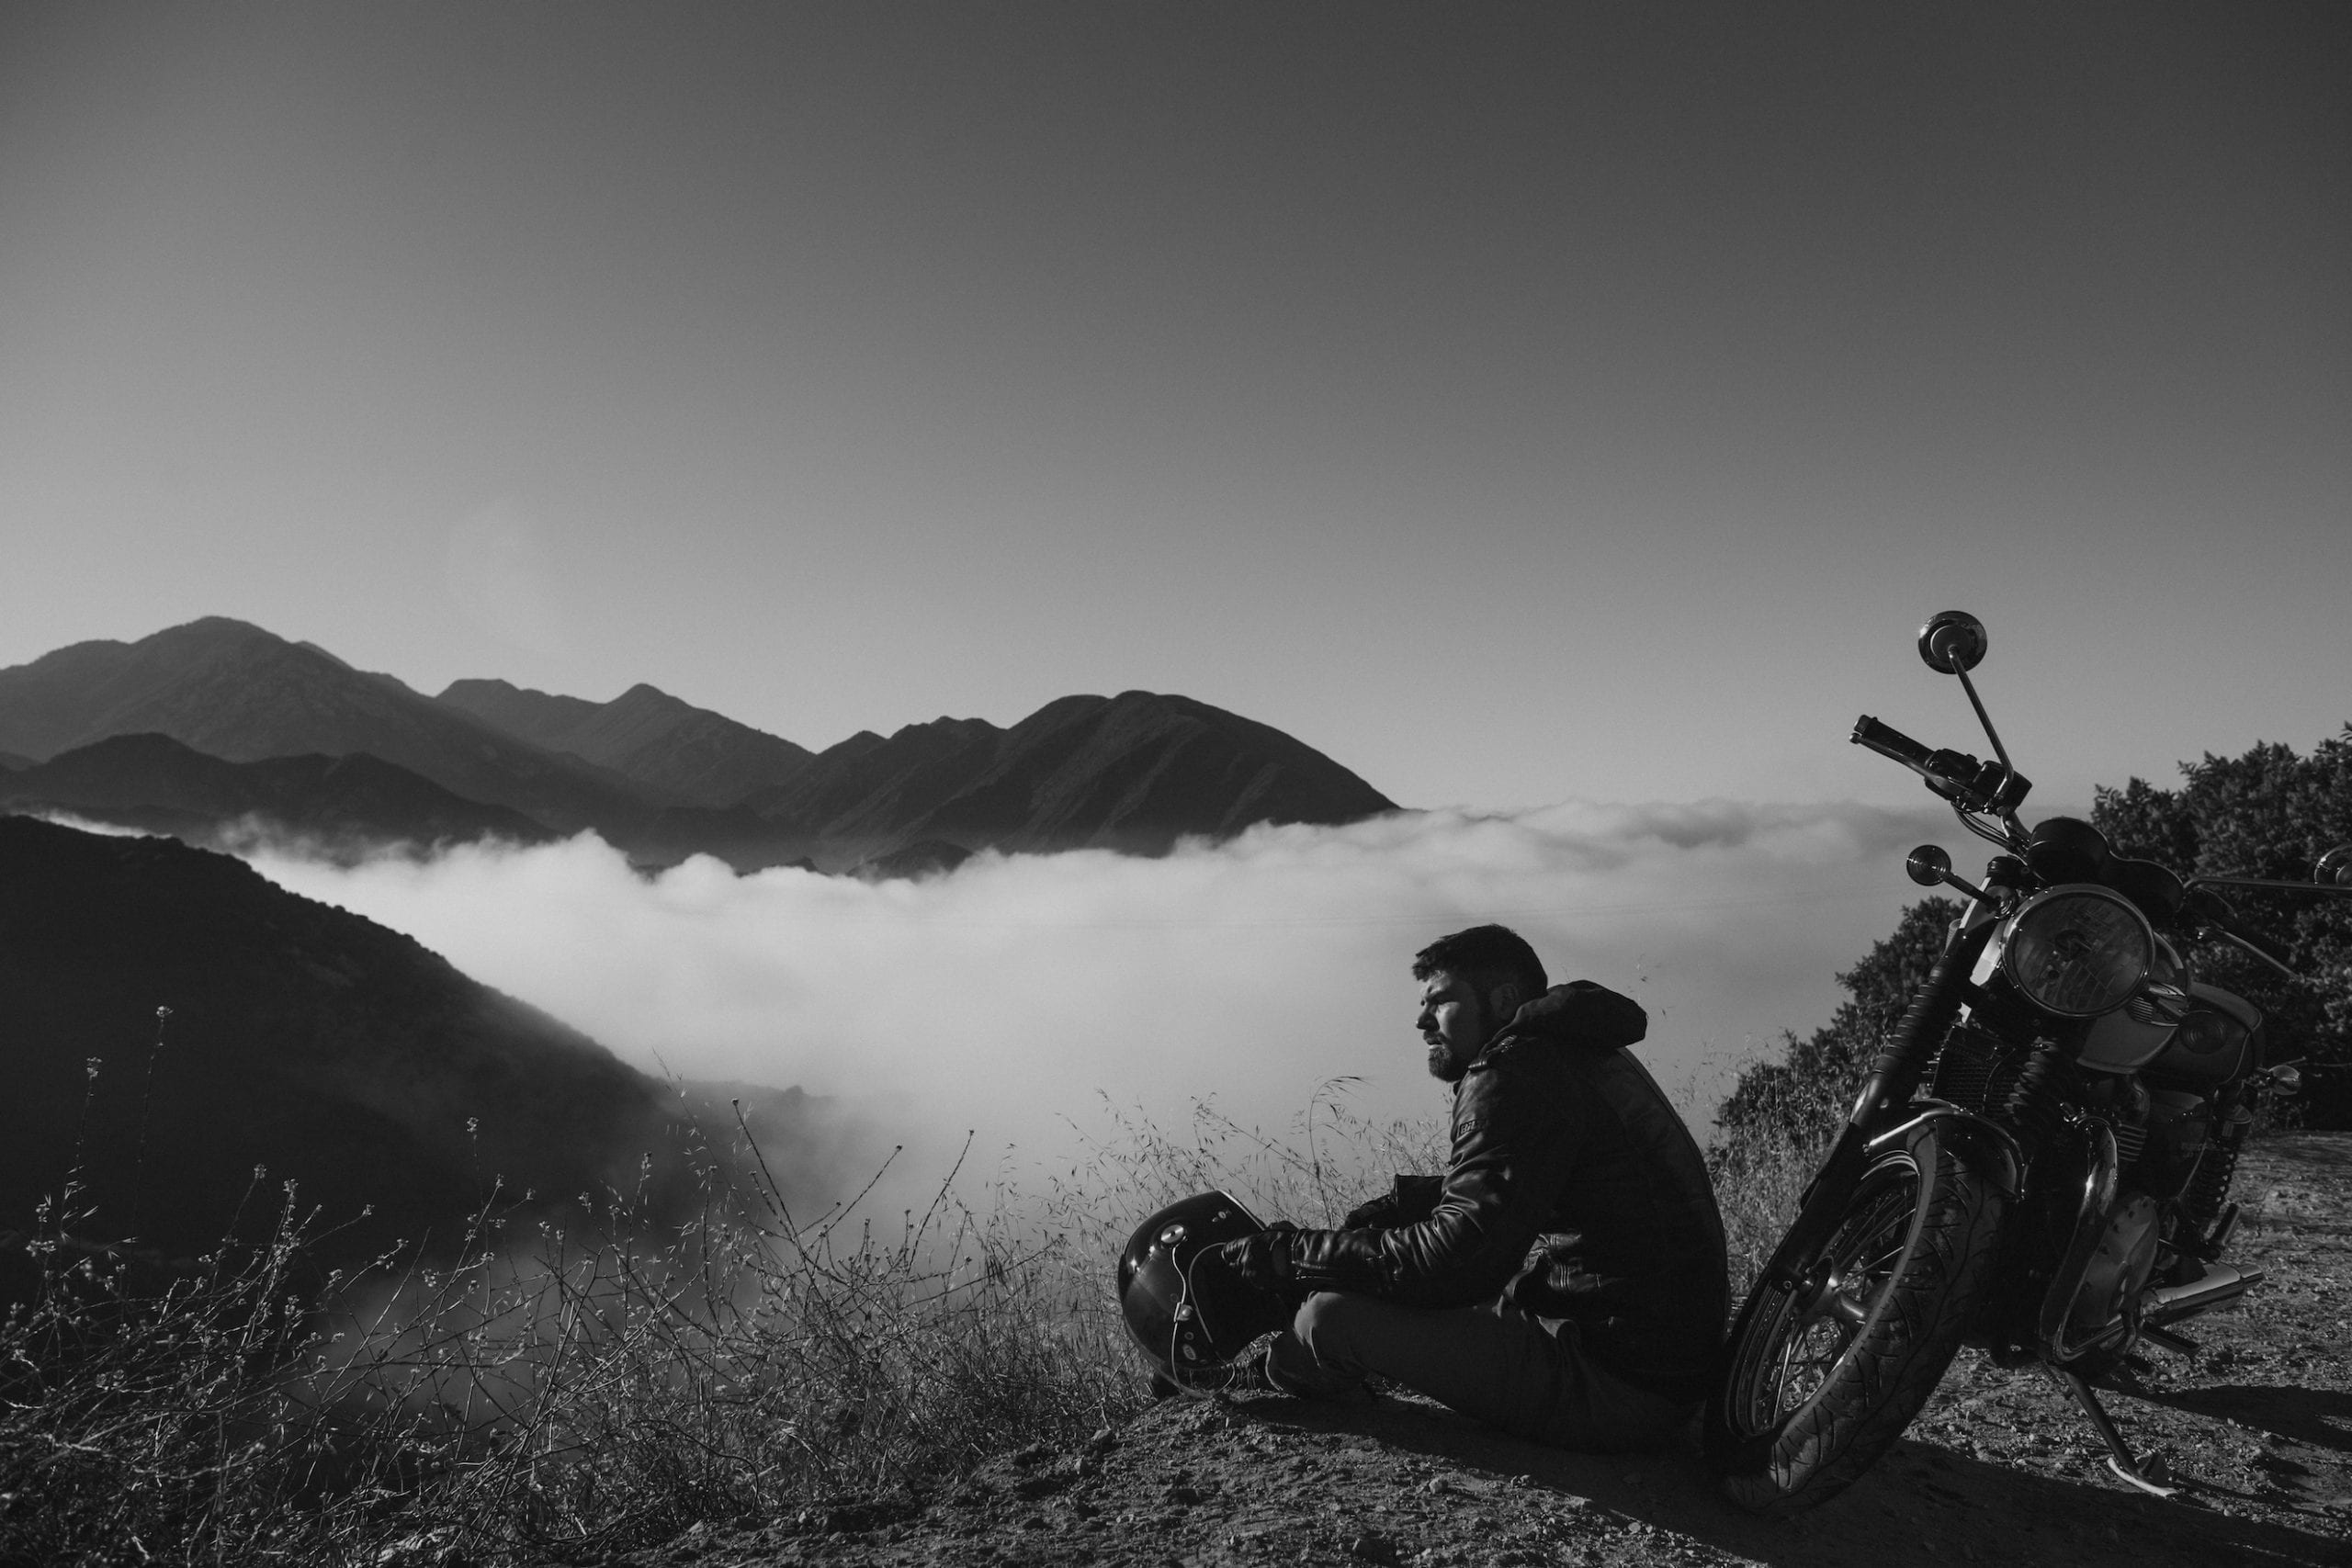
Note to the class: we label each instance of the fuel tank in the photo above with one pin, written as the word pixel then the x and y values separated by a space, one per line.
pixel 2215 1047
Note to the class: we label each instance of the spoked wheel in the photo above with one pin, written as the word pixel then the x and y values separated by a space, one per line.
pixel 1824 1376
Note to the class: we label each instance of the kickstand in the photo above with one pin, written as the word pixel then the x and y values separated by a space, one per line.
pixel 2151 1475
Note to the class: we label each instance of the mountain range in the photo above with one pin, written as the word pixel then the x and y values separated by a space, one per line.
pixel 206 727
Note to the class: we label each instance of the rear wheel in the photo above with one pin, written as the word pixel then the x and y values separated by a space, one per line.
pixel 1824 1376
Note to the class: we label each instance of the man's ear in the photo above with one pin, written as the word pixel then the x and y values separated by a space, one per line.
pixel 1504 1001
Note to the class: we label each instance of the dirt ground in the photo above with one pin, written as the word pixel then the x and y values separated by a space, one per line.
pixel 1999 1468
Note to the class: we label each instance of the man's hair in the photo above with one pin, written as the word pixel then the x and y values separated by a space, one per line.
pixel 1486 956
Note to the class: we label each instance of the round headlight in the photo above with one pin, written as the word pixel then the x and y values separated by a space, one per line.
pixel 2078 950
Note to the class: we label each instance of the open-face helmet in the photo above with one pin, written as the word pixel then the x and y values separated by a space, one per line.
pixel 1196 1342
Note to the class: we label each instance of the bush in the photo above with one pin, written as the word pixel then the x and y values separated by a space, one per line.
pixel 2270 813
pixel 142 1409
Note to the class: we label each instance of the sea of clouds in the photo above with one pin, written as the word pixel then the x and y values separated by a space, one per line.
pixel 1020 997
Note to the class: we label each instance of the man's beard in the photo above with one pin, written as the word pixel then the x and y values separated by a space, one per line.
pixel 1443 1067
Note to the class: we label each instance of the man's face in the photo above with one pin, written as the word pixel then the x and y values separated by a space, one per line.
pixel 1457 1021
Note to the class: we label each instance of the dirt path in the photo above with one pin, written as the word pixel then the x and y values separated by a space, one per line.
pixel 1998 1469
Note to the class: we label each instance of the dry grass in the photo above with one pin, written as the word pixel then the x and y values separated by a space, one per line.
pixel 609 1382
pixel 1760 1169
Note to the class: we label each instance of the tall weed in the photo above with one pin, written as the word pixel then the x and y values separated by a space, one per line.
pixel 611 1378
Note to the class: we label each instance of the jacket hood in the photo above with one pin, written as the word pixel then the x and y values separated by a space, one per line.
pixel 1582 1014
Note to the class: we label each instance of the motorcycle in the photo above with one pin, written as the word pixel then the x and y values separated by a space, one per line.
pixel 2040 1158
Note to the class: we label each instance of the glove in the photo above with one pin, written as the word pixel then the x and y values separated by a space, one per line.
pixel 1241 1288
pixel 1411 1200
pixel 1257 1260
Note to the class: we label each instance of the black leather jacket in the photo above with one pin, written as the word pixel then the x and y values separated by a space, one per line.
pixel 1574 1190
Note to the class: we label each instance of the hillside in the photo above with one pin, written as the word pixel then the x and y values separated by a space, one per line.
pixel 301 1038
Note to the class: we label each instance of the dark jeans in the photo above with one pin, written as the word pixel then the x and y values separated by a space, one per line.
pixel 1492 1362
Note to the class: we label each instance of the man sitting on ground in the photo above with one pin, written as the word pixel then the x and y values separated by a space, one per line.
pixel 1564 1278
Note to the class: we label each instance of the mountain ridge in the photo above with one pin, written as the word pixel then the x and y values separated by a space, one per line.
pixel 657 776
pixel 236 691
pixel 1135 772
pixel 156 783
pixel 701 756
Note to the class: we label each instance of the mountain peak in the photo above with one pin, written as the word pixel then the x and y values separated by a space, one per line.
pixel 219 627
pixel 645 697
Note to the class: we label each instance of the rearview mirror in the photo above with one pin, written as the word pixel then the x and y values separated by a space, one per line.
pixel 1952 642
pixel 1928 865
pixel 2334 869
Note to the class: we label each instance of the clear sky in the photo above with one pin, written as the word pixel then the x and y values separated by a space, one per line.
pixel 1519 403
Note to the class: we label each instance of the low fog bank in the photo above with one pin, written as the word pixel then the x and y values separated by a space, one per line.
pixel 1016 995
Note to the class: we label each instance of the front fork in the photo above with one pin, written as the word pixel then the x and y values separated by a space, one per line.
pixel 1880 1109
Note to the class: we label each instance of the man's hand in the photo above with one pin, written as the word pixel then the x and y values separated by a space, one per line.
pixel 1241 1287
pixel 1255 1261
pixel 1411 1200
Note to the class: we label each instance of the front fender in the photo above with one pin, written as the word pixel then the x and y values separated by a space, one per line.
pixel 1985 1147
pixel 1981 1146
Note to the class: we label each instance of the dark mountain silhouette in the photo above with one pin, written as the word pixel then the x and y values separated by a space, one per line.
pixel 236 691
pixel 334 1052
pixel 153 782
pixel 656 776
pixel 1133 773
pixel 700 757
pixel 10 762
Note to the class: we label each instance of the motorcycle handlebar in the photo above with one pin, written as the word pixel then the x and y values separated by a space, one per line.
pixel 1957 776
pixel 1892 743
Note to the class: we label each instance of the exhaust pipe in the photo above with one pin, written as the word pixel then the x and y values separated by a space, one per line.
pixel 2220 1283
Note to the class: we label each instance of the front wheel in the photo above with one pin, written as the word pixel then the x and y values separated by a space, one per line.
pixel 1824 1376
